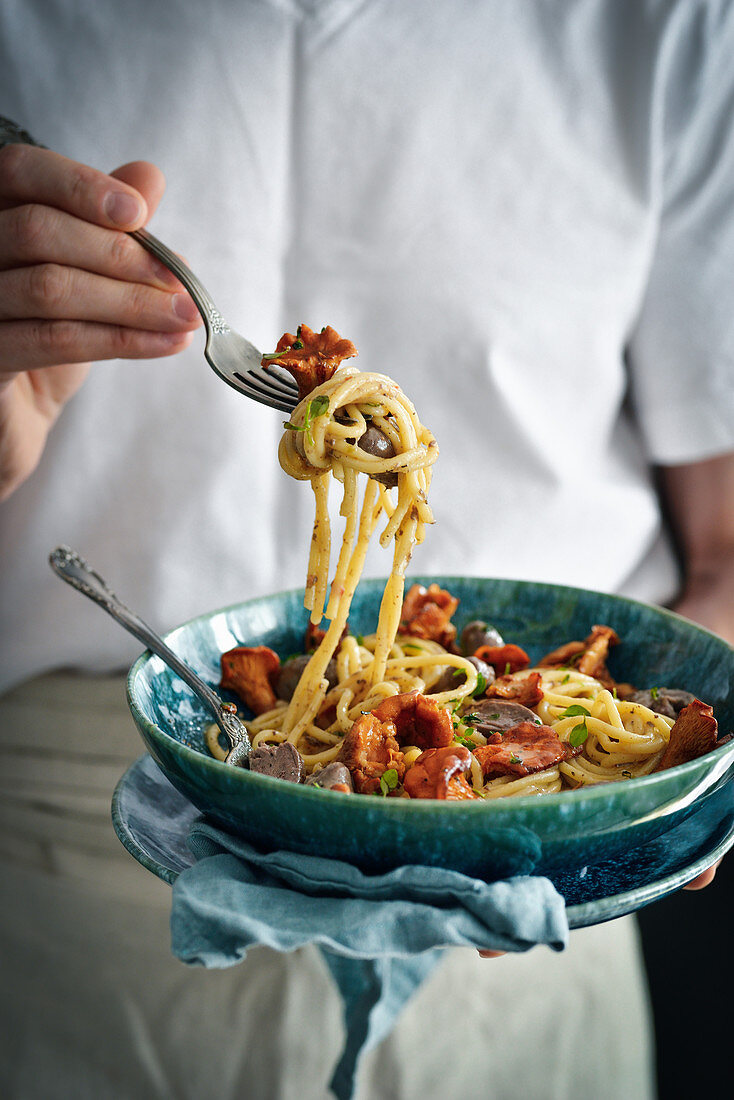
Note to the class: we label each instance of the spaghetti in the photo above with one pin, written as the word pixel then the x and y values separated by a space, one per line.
pixel 320 442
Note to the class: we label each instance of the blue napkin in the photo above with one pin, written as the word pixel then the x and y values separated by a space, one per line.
pixel 380 935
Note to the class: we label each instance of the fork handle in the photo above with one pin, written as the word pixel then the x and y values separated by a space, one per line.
pixel 202 299
pixel 72 568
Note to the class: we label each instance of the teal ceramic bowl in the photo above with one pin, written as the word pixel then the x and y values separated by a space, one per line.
pixel 561 835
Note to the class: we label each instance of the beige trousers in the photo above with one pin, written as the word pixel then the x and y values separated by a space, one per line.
pixel 94 1007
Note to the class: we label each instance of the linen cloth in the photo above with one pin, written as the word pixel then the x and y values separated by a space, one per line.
pixel 381 935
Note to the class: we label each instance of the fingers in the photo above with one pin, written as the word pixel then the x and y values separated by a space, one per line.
pixel 704 879
pixel 33 234
pixel 144 177
pixel 52 291
pixel 29 174
pixel 31 344
pixel 74 286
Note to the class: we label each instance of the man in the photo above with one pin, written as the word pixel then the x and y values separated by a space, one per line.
pixel 519 211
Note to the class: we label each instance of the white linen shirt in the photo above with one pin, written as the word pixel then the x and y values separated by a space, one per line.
pixel 521 212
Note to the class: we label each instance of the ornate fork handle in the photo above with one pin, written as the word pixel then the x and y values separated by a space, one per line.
pixel 204 303
pixel 79 574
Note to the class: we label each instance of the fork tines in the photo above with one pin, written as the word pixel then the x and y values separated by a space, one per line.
pixel 271 388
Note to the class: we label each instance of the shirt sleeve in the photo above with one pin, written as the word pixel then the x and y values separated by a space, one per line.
pixel 681 351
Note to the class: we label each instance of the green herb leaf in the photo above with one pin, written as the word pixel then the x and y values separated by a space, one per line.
pixel 458 672
pixel 654 692
pixel 318 405
pixel 481 685
pixel 578 734
pixel 465 741
pixel 360 639
pixel 515 759
pixel 467 719
pixel 388 781
pixel 276 354
pixel 297 345
pixel 507 669
pixel 571 712
pixel 566 678
pixel 294 427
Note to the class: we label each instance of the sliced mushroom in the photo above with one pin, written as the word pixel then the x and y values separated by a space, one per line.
pixel 666 701
pixel 479 633
pixel 455 677
pixel 334 776
pixel 373 441
pixel 281 761
pixel 498 715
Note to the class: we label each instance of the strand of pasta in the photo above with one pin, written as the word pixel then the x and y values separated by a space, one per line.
pixel 311 680
pixel 312 447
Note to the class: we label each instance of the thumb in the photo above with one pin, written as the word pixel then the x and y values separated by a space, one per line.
pixel 146 178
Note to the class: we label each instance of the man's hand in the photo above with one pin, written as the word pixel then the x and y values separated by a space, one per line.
pixel 74 288
pixel 700 502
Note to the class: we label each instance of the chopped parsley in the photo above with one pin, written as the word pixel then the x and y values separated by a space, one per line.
pixel 481 685
pixel 566 678
pixel 507 668
pixel 514 759
pixel 654 692
pixel 388 781
pixel 467 719
pixel 317 406
pixel 465 741
pixel 578 734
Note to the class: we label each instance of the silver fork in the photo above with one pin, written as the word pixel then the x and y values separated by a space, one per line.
pixel 230 355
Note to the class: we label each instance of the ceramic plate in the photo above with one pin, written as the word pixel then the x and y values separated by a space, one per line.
pixel 152 819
